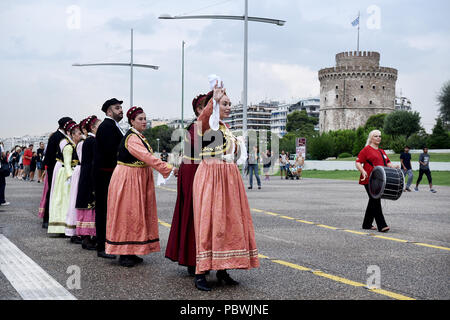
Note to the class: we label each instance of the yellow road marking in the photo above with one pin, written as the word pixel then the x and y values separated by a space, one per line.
pixel 325 226
pixel 323 274
pixel 338 279
pixel 391 294
pixel 291 265
pixel 356 232
pixel 431 246
pixel 393 239
pixel 334 228
pixel 304 221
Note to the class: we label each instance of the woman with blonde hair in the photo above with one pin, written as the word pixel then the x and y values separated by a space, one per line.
pixel 368 158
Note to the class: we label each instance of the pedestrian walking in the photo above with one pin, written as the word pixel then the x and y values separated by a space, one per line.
pixel 253 167
pixel 33 165
pixel 368 158
pixel 132 221
pixel 40 162
pixel 424 169
pixel 4 172
pixel 267 163
pixel 405 162
pixel 26 160
pixel 108 138
pixel 283 161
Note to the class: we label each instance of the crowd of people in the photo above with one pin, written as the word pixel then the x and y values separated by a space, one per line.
pixel 99 190
pixel 99 187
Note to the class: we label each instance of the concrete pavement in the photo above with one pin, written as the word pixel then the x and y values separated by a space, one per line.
pixel 308 234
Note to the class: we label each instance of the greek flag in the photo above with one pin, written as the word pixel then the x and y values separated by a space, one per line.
pixel 356 22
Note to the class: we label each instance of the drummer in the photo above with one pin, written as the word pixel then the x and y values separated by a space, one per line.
pixel 368 158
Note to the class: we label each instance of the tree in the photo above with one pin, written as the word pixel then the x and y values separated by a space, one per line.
pixel 444 102
pixel 402 123
pixel 439 139
pixel 343 141
pixel 376 121
pixel 164 133
pixel 302 123
pixel 321 147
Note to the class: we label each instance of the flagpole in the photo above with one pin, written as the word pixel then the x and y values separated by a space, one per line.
pixel 359 13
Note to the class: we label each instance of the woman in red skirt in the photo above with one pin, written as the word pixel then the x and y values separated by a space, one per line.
pixel 181 243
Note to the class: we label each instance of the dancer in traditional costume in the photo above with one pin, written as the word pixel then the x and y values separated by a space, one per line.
pixel 50 161
pixel 107 141
pixel 132 223
pixel 181 243
pixel 224 233
pixel 85 204
pixel 60 193
pixel 71 219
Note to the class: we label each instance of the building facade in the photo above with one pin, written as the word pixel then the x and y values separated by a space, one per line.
pixel 258 116
pixel 402 103
pixel 356 88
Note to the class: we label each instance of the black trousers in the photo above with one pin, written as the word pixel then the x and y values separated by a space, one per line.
pixel 373 211
pixel 47 202
pixel 427 172
pixel 2 189
pixel 102 180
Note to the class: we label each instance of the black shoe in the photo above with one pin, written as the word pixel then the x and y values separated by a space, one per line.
pixel 136 259
pixel 45 225
pixel 76 240
pixel 201 283
pixel 250 187
pixel 88 244
pixel 222 275
pixel 126 261
pixel 103 254
pixel 191 270
pixel 259 187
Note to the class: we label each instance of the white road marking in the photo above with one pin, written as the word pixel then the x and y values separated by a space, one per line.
pixel 27 277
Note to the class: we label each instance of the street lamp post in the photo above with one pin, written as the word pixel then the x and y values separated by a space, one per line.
pixel 157 139
pixel 246 19
pixel 131 65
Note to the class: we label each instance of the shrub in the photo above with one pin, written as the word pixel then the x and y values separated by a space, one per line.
pixel 398 144
pixel 344 155
pixel 321 147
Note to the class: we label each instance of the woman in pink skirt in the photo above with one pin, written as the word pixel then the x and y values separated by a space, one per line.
pixel 224 234
pixel 85 204
pixel 132 221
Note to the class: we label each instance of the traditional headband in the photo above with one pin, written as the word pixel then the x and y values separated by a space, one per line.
pixel 69 126
pixel 133 112
pixel 89 122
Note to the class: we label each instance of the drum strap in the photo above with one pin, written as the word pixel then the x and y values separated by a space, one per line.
pixel 382 157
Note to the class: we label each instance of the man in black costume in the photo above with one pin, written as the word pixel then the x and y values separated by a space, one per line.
pixel 51 154
pixel 108 137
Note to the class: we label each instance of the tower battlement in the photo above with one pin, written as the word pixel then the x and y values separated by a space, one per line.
pixel 358 58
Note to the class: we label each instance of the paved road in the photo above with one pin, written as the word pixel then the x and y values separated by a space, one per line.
pixel 308 234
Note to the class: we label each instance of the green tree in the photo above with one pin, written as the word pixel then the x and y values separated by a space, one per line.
pixel 402 122
pixel 418 140
pixel 302 123
pixel 321 147
pixel 343 141
pixel 444 102
pixel 376 121
pixel 361 135
pixel 164 133
pixel 439 139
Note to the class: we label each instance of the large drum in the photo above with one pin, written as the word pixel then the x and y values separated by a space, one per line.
pixel 386 183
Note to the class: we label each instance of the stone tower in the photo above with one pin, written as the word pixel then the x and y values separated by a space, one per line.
pixel 356 88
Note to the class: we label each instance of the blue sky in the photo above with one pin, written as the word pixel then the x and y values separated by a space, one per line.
pixel 42 39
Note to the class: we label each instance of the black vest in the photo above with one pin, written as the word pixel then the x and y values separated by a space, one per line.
pixel 60 157
pixel 216 143
pixel 124 157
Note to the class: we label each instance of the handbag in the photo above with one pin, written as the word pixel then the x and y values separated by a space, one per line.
pixel 4 170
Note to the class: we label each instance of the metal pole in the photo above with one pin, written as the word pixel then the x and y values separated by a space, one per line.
pixel 131 71
pixel 182 92
pixel 244 98
pixel 359 22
